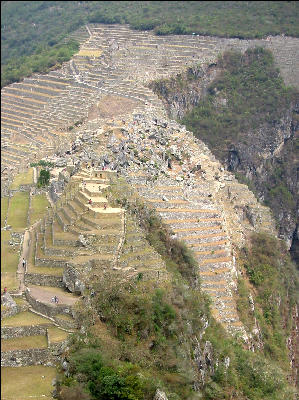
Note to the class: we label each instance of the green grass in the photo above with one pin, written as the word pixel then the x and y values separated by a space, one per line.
pixel 18 210
pixel 56 335
pixel 25 178
pixel 4 208
pixel 39 204
pixel 20 301
pixel 272 274
pixel 9 263
pixel 65 317
pixel 23 343
pixel 25 318
pixel 55 271
pixel 22 382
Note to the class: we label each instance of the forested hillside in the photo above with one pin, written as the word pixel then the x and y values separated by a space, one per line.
pixel 32 32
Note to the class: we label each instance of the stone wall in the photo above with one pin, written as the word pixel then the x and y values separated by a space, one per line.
pixel 10 311
pixel 9 332
pixel 72 277
pixel 43 280
pixel 19 358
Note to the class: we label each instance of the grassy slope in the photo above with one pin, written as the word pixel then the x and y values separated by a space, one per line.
pixel 23 382
pixel 4 208
pixel 9 263
pixel 25 318
pixel 255 95
pixel 271 276
pixel 25 342
pixel 25 178
pixel 37 28
pixel 39 204
pixel 18 211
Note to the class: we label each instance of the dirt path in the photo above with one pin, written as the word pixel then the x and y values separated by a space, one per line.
pixel 25 253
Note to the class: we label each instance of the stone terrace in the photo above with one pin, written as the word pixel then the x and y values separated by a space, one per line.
pixel 80 238
pixel 115 60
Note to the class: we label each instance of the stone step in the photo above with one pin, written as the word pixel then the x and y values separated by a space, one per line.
pixel 16 112
pixel 9 121
pixel 16 105
pixel 25 99
pixel 212 284
pixel 194 232
pixel 77 208
pixel 34 95
pixel 97 201
pixel 61 237
pixel 216 260
pixel 63 222
pixel 41 259
pixel 114 222
pixel 203 239
pixel 69 215
pixel 201 255
pixel 190 222
pixel 207 245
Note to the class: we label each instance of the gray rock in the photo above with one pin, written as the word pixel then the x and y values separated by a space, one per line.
pixel 160 395
pixel 7 300
pixel 61 163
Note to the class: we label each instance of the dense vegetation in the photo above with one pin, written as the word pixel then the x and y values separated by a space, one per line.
pixel 273 281
pixel 37 28
pixel 249 92
pixel 141 337
pixel 42 61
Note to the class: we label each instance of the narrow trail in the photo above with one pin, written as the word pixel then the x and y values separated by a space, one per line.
pixel 25 252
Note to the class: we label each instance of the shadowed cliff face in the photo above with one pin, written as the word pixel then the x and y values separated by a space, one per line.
pixel 268 161
pixel 261 151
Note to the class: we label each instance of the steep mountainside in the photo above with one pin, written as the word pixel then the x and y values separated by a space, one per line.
pixel 170 278
pixel 241 108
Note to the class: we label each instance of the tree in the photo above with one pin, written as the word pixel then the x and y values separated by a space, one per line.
pixel 44 178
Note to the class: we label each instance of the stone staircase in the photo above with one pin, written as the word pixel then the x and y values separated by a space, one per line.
pixel 56 258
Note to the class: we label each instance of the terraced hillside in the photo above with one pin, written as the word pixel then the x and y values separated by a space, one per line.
pixel 81 238
pixel 97 121
pixel 39 113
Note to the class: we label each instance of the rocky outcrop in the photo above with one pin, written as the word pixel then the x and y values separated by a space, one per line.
pixel 160 395
pixel 182 92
